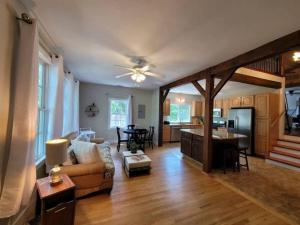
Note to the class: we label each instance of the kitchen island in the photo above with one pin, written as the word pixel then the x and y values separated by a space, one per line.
pixel 192 144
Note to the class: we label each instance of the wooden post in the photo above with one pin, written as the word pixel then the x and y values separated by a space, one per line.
pixel 161 117
pixel 208 120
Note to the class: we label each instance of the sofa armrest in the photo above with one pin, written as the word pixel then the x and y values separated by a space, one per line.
pixel 97 140
pixel 83 169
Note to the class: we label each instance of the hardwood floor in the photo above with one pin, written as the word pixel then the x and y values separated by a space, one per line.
pixel 275 188
pixel 176 192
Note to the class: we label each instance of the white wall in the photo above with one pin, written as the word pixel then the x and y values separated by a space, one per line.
pixel 99 94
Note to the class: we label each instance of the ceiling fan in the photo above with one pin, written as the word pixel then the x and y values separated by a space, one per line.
pixel 139 71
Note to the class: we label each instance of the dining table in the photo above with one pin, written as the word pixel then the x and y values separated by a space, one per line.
pixel 137 134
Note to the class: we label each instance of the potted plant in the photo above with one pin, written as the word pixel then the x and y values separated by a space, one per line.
pixel 133 146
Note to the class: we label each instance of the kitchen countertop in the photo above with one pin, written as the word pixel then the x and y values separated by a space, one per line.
pixel 183 124
pixel 220 135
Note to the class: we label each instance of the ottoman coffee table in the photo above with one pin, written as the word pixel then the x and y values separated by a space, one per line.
pixel 136 163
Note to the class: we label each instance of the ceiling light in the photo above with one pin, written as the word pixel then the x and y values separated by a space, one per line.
pixel 296 56
pixel 138 77
pixel 134 76
pixel 181 100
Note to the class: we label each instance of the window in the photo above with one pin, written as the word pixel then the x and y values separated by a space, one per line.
pixel 118 113
pixel 180 113
pixel 41 133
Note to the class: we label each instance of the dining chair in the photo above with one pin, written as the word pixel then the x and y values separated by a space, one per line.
pixel 120 140
pixel 150 135
pixel 131 126
pixel 140 139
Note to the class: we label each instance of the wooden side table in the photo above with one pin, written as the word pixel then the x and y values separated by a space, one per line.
pixel 57 203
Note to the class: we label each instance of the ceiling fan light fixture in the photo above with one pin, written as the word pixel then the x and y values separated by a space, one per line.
pixel 134 76
pixel 140 78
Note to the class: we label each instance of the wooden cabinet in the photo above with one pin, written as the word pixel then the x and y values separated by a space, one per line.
pixel 197 148
pixel 166 133
pixel 242 101
pixel 218 103
pixel 57 204
pixel 262 106
pixel 186 143
pixel 261 136
pixel 226 107
pixel 247 101
pixel 235 101
pixel 266 110
pixel 166 108
pixel 196 108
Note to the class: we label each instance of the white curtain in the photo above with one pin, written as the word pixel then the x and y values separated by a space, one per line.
pixel 20 172
pixel 55 98
pixel 130 110
pixel 76 106
pixel 71 105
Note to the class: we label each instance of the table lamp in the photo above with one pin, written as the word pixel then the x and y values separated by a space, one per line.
pixel 56 154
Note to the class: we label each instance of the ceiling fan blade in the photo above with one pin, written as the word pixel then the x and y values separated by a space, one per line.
pixel 125 67
pixel 147 67
pixel 124 75
pixel 153 75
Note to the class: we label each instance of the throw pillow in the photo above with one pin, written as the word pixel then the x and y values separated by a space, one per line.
pixel 70 161
pixel 83 137
pixel 73 157
pixel 85 152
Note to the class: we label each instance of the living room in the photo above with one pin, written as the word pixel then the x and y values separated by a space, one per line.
pixel 111 111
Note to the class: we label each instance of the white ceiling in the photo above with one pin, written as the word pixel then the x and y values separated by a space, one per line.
pixel 231 88
pixel 180 37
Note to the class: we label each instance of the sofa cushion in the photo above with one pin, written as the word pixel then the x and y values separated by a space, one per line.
pixel 85 152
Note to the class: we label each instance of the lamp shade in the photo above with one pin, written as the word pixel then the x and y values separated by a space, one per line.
pixel 56 151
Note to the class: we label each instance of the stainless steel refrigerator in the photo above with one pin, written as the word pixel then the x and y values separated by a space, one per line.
pixel 241 120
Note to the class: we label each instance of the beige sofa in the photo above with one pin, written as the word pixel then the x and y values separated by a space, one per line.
pixel 92 177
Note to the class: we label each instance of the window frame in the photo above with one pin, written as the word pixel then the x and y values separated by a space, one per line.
pixel 178 113
pixel 39 155
pixel 109 111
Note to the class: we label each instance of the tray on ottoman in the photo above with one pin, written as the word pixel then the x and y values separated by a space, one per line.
pixel 136 164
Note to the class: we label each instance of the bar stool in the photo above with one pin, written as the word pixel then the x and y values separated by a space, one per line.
pixel 229 151
pixel 242 153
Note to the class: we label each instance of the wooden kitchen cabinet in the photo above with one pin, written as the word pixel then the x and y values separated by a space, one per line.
pixel 266 133
pixel 218 103
pixel 197 148
pixel 235 101
pixel 196 108
pixel 226 107
pixel 262 106
pixel 166 133
pixel 261 136
pixel 186 143
pixel 166 108
pixel 247 101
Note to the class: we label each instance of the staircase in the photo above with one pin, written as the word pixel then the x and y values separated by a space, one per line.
pixel 285 154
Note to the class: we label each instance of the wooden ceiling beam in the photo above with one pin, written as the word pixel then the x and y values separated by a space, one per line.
pixel 272 48
pixel 199 87
pixel 165 94
pixel 224 78
pixel 237 77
